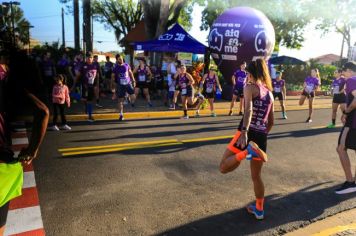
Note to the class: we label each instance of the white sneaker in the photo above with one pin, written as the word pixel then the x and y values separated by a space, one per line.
pixel 66 127
pixel 54 128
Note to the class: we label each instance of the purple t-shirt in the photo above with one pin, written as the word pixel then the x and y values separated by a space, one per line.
pixel 240 79
pixel 261 108
pixel 121 73
pixel 89 72
pixel 278 85
pixel 311 84
pixel 47 67
pixel 338 85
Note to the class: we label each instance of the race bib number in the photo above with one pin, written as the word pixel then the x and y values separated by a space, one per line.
pixel 209 89
pixel 123 81
pixel 142 78
pixel 309 88
pixel 336 90
pixel 277 89
pixel 184 91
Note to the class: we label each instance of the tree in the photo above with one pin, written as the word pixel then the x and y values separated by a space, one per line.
pixel 289 18
pixel 21 25
pixel 121 16
pixel 160 14
pixel 338 16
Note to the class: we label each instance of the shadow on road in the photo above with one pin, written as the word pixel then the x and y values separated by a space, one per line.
pixel 283 213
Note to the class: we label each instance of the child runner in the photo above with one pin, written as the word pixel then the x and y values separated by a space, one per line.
pixel 60 97
pixel 125 83
pixel 142 80
pixel 250 140
pixel 279 91
pixel 238 82
pixel 209 84
pixel 88 73
pixel 311 84
pixel 347 138
pixel 339 97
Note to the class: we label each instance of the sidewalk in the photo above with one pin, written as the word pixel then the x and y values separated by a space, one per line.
pixel 141 110
pixel 343 223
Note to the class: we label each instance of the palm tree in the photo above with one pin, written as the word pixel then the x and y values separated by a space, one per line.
pixel 21 25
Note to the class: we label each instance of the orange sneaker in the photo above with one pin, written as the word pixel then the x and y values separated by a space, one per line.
pixel 256 153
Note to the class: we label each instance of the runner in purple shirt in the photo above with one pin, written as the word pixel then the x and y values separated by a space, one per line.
pixel 238 82
pixel 88 75
pixel 279 91
pixel 125 83
pixel 250 140
pixel 339 97
pixel 347 138
pixel 311 84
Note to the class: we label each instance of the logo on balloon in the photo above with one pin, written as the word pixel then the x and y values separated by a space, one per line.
pixel 215 40
pixel 261 42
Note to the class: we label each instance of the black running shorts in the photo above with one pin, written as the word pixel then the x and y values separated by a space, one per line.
pixel 339 98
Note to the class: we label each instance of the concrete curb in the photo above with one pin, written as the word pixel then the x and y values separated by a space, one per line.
pixel 174 114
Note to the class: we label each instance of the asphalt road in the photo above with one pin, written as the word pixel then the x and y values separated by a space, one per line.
pixel 172 185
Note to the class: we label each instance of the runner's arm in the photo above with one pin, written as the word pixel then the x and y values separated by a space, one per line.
pixel 132 77
pixel 248 94
pixel 218 82
pixel 233 80
pixel 270 122
pixel 112 82
pixel 352 105
pixel 284 92
pixel 191 80
pixel 39 126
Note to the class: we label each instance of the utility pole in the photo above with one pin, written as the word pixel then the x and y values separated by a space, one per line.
pixel 10 4
pixel 63 34
pixel 87 25
pixel 76 25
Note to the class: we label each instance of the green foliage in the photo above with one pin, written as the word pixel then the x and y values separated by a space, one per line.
pixel 121 16
pixel 21 24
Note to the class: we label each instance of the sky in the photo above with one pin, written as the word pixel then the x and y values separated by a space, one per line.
pixel 45 16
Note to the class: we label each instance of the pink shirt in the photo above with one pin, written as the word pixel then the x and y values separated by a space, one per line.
pixel 60 94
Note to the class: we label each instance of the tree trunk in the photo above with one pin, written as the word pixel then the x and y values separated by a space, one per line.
pixel 76 25
pixel 87 25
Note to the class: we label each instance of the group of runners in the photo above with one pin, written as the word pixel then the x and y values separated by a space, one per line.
pixel 252 83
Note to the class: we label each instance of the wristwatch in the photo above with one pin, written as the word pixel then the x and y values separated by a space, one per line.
pixel 244 129
pixel 345 113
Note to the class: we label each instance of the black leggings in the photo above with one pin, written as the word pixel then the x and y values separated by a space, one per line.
pixel 55 113
pixel 3 214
